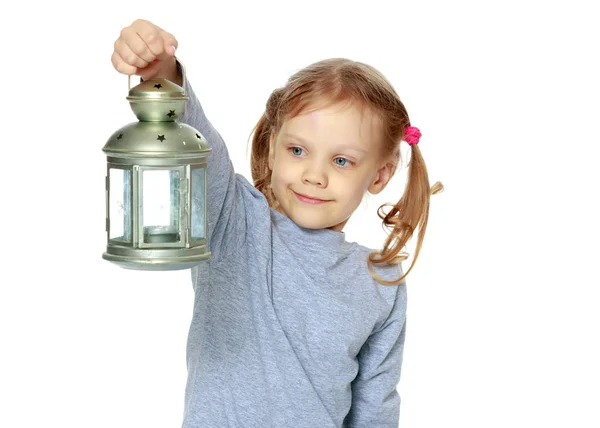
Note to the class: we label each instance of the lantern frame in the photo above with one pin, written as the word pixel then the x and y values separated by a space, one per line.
pixel 179 147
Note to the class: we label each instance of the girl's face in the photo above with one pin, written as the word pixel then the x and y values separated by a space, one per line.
pixel 324 161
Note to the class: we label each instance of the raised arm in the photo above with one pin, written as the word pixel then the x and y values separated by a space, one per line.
pixel 226 213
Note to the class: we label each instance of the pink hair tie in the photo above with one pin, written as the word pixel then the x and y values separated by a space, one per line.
pixel 412 135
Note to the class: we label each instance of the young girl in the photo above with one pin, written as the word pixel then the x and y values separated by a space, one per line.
pixel 292 325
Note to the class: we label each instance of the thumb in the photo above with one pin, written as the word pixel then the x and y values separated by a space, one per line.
pixel 170 46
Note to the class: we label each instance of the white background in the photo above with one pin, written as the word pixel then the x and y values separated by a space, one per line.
pixel 502 318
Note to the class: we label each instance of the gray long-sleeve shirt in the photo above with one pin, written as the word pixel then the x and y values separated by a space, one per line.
pixel 289 329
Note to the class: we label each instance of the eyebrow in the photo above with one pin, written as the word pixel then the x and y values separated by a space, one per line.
pixel 303 141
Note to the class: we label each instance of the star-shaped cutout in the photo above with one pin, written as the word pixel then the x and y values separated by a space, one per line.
pixel 161 138
pixel 171 113
pixel 158 86
pixel 119 136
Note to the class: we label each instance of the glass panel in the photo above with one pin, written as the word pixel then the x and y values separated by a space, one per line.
pixel 198 204
pixel 120 204
pixel 160 206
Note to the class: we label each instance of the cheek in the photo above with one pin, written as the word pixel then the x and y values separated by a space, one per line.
pixel 281 173
pixel 351 189
pixel 354 188
pixel 358 183
pixel 356 197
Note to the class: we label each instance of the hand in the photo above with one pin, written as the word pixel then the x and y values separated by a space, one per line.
pixel 146 50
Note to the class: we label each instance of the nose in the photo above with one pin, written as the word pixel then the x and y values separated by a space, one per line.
pixel 314 174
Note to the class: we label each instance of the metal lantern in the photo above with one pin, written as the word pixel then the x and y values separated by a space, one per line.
pixel 156 184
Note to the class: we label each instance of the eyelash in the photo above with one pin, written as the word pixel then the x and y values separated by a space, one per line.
pixel 348 161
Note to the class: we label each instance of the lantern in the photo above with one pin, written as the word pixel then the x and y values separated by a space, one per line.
pixel 156 184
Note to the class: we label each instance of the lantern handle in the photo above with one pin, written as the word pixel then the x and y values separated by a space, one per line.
pixel 179 65
pixel 182 67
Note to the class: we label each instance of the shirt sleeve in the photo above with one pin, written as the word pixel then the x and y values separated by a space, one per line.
pixel 225 208
pixel 375 400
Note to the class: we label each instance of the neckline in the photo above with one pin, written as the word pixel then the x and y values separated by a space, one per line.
pixel 321 236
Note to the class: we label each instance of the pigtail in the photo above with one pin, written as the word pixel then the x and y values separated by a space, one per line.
pixel 259 157
pixel 402 219
pixel 260 154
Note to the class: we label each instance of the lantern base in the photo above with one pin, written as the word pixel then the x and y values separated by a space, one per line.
pixel 156 263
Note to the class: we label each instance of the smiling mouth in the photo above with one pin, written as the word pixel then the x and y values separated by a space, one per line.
pixel 309 200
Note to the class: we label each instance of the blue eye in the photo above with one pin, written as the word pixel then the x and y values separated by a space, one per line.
pixel 296 151
pixel 342 162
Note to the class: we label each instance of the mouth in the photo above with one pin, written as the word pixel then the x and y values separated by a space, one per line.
pixel 309 199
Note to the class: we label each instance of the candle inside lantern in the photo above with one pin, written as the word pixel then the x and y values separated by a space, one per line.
pixel 161 205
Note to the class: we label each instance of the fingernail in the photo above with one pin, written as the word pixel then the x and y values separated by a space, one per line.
pixel 173 49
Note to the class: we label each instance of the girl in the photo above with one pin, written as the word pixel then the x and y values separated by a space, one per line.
pixel 292 325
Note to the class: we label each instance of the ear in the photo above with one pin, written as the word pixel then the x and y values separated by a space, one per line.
pixel 271 150
pixel 383 177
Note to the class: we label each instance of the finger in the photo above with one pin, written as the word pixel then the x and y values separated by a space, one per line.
pixel 121 66
pixel 170 43
pixel 146 36
pixel 128 55
pixel 151 36
pixel 131 38
pixel 141 49
pixel 161 43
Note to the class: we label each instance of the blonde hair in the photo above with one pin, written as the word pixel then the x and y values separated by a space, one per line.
pixel 342 80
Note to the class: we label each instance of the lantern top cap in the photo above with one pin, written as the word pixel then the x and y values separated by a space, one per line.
pixel 157 89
